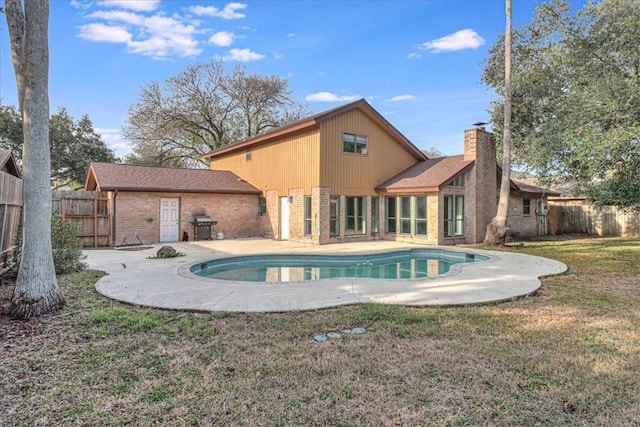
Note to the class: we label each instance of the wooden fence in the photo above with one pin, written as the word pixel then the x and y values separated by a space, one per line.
pixel 10 214
pixel 575 216
pixel 90 209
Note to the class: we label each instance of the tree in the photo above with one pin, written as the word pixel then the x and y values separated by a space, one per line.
pixel 36 290
pixel 433 153
pixel 73 144
pixel 576 95
pixel 201 109
pixel 11 130
pixel 497 229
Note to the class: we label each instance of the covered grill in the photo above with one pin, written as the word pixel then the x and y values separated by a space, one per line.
pixel 202 227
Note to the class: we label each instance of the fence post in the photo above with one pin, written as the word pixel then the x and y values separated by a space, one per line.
pixel 95 222
pixel 63 208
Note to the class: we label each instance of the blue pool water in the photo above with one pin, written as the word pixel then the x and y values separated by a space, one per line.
pixel 406 264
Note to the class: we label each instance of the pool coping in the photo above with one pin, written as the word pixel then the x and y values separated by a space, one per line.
pixel 167 283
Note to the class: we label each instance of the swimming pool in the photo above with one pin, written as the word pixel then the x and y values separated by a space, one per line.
pixel 405 264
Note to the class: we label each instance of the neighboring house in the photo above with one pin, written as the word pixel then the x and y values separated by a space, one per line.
pixel 348 174
pixel 11 201
pixel 152 204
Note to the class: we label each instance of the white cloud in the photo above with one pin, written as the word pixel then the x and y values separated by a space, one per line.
pixel 137 5
pixel 114 139
pixel 291 35
pixel 329 97
pixel 119 15
pixel 77 4
pixel 460 40
pixel 104 33
pixel 414 55
pixel 399 98
pixel 230 11
pixel 222 38
pixel 243 55
pixel 156 36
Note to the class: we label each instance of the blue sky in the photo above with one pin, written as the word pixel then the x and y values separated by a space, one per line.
pixel 417 62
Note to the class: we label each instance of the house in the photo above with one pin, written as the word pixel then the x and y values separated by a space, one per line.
pixel 11 201
pixel 152 204
pixel 345 174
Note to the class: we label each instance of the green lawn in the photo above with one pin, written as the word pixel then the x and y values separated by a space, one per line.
pixel 568 356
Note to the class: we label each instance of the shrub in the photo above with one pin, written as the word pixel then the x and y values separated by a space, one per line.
pixel 66 245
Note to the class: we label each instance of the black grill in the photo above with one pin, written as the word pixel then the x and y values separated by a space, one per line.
pixel 202 227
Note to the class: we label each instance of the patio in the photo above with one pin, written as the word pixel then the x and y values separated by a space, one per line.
pixel 167 283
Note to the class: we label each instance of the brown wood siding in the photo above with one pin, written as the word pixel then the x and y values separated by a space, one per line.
pixel 290 161
pixel 355 174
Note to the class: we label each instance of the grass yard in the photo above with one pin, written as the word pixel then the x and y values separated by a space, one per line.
pixel 567 356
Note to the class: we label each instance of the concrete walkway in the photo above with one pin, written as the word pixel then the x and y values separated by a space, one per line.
pixel 167 283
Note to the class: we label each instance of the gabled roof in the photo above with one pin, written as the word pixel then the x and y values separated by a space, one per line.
pixel 429 175
pixel 524 187
pixel 110 176
pixel 8 163
pixel 315 119
pixel 426 176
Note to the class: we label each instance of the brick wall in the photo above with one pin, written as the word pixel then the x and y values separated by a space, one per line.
pixel 480 207
pixel 320 205
pixel 296 216
pixel 269 224
pixel 138 215
pixel 521 225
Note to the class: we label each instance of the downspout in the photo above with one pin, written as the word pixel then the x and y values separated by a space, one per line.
pixel 113 218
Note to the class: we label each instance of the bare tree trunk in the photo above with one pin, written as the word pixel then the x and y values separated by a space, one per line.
pixel 36 291
pixel 497 229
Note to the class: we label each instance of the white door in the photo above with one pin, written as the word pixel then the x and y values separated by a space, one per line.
pixel 169 224
pixel 284 218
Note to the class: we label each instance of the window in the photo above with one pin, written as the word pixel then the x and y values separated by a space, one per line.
pixel 459 230
pixel 334 214
pixel 307 215
pixel 405 215
pixel 355 215
pixel 247 155
pixel 390 215
pixel 458 181
pixel 354 143
pixel 421 216
pixel 526 207
pixel 262 205
pixel 453 216
pixel 375 215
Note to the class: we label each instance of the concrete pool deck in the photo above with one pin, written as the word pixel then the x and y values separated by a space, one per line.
pixel 167 283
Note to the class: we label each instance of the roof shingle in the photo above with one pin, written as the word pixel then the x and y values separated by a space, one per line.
pixel 428 175
pixel 110 176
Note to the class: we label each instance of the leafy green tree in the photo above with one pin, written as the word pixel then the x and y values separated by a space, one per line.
pixel 11 130
pixel 73 144
pixel 576 97
pixel 201 109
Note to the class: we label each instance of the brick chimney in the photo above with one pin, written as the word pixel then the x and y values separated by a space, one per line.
pixel 479 145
